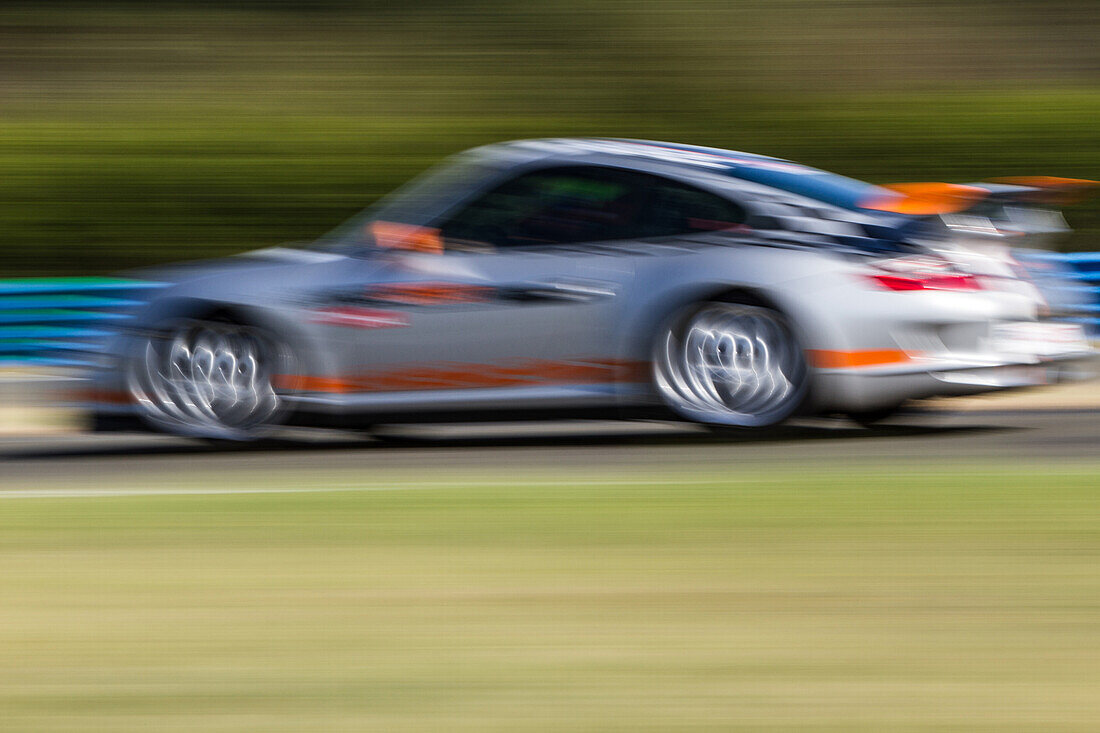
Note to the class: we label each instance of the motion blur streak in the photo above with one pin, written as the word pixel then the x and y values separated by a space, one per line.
pixel 133 132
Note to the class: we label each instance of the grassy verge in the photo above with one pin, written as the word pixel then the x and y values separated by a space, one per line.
pixel 871 599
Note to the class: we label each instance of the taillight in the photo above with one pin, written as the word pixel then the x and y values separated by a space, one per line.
pixel 930 282
pixel 921 273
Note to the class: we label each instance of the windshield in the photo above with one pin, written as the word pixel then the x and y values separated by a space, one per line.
pixel 417 202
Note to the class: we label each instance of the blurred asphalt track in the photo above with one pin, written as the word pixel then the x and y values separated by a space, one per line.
pixel 931 437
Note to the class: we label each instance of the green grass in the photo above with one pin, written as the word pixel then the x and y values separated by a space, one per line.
pixel 133 133
pixel 856 600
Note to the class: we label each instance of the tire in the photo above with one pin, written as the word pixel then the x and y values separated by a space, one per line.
pixel 730 364
pixel 209 378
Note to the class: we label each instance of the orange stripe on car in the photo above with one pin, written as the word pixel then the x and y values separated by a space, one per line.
pixel 472 376
pixel 102 396
pixel 306 383
pixel 826 359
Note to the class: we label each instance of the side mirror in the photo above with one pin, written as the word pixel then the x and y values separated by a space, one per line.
pixel 406 237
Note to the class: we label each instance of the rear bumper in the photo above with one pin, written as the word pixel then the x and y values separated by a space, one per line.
pixel 919 378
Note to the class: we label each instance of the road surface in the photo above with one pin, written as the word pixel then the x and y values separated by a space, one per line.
pixel 929 439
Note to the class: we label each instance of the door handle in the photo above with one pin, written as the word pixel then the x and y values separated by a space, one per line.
pixel 570 290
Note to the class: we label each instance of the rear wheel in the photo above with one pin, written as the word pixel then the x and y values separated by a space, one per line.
pixel 209 379
pixel 730 364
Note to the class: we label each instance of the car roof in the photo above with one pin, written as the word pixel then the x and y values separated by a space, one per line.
pixel 803 180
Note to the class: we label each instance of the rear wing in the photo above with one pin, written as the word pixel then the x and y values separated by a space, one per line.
pixel 1021 209
pixel 1042 189
pixel 1025 210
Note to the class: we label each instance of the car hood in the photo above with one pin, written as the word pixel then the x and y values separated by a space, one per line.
pixel 257 260
pixel 262 277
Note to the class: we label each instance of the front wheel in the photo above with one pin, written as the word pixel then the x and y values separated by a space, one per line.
pixel 730 364
pixel 208 379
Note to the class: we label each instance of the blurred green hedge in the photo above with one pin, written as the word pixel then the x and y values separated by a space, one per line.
pixel 136 133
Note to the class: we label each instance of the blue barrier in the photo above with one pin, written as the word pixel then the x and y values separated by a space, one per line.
pixel 1084 269
pixel 63 321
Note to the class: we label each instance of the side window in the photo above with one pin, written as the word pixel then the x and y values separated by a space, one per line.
pixel 586 204
pixel 676 208
pixel 551 206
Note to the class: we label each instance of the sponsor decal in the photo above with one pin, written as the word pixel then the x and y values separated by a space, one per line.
pixel 407 237
pixel 429 293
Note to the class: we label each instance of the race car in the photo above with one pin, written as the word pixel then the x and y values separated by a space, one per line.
pixel 574 278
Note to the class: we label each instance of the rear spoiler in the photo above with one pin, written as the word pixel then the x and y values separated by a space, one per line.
pixel 1042 189
pixel 929 199
pixel 923 199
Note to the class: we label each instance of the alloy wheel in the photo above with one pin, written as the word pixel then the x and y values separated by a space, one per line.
pixel 730 364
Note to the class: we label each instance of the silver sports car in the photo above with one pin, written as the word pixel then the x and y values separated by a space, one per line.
pixel 596 277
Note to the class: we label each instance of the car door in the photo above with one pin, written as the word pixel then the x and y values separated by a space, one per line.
pixel 519 301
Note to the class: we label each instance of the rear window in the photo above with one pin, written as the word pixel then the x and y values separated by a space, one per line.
pixel 812 183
